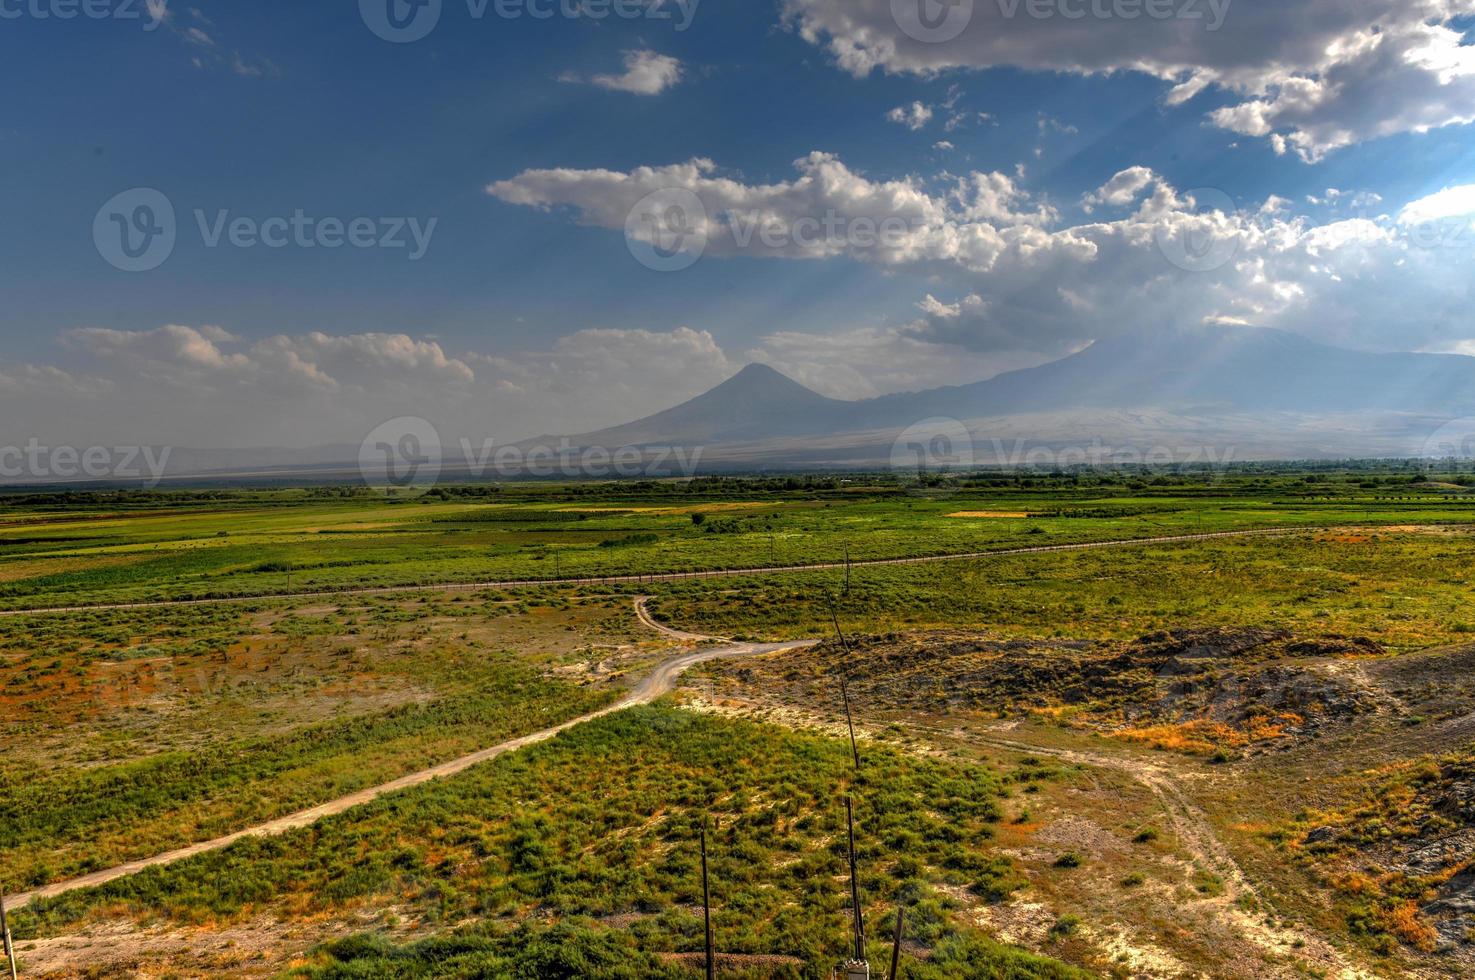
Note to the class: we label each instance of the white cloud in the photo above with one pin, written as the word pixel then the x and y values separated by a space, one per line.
pixel 1452 202
pixel 318 388
pixel 646 73
pixel 1123 189
pixel 890 222
pixel 1312 75
pixel 913 117
pixel 1016 280
pixel 202 357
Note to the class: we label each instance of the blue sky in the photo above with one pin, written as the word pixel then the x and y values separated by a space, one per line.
pixel 528 312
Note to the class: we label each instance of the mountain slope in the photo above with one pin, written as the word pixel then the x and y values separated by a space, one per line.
pixel 1198 373
pixel 756 403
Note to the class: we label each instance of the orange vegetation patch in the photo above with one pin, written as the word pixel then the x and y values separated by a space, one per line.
pixel 1344 539
pixel 1207 737
pixel 1006 514
pixel 1404 922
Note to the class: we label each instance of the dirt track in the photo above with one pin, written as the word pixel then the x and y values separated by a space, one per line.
pixel 659 682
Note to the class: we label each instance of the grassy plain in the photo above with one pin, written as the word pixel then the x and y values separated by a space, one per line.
pixel 1023 817
pixel 241 543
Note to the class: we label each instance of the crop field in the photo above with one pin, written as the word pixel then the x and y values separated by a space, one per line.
pixel 1229 756
pixel 258 543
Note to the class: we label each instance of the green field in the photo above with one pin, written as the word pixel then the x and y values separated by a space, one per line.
pixel 128 732
pixel 242 543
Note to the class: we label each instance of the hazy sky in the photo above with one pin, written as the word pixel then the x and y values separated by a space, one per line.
pixel 281 223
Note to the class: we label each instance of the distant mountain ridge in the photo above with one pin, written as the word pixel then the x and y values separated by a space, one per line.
pixel 1225 392
pixel 1198 373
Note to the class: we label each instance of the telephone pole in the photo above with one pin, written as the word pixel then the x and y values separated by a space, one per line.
pixel 858 968
pixel 707 909
pixel 845 688
pixel 5 933
pixel 895 973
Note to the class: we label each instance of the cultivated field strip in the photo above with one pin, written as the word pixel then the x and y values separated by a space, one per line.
pixel 657 577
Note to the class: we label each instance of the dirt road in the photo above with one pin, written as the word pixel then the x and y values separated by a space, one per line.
pixel 659 682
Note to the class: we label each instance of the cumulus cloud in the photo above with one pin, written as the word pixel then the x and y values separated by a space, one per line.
pixel 1452 202
pixel 1311 75
pixel 829 210
pixel 646 73
pixel 1122 190
pixel 913 117
pixel 319 388
pixel 1018 279
pixel 209 356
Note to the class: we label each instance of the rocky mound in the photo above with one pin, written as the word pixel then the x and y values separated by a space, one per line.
pixel 1233 687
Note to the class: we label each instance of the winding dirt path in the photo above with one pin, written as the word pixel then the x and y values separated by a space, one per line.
pixel 1191 827
pixel 660 681
pixel 674 576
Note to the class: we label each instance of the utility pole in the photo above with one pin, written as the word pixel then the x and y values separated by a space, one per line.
pixel 5 933
pixel 895 973
pixel 707 908
pixel 845 688
pixel 847 568
pixel 858 968
pixel 845 695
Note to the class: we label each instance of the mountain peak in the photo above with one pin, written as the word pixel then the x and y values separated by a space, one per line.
pixel 759 373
